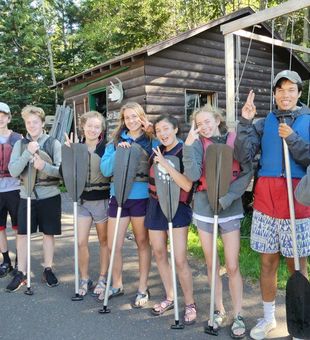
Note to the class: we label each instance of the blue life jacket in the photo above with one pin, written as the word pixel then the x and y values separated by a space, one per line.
pixel 272 158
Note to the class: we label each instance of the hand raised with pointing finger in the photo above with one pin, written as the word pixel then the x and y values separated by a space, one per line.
pixel 193 134
pixel 249 109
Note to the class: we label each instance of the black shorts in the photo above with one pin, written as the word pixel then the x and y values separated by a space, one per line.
pixel 9 202
pixel 45 214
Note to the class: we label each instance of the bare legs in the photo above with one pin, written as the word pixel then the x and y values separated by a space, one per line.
pixel 84 225
pixel 231 242
pixel 144 249
pixel 159 245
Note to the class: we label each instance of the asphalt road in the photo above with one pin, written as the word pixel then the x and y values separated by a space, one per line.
pixel 50 313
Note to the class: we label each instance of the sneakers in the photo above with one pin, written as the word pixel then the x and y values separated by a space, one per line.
pixel 49 278
pixel 15 270
pixel 262 328
pixel 18 280
pixel 5 268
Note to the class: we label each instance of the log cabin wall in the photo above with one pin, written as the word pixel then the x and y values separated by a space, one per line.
pixel 133 81
pixel 159 82
pixel 198 64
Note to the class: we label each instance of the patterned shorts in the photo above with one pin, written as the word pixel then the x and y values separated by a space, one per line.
pixel 272 235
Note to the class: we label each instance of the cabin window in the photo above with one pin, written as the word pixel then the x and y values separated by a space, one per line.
pixel 98 101
pixel 195 99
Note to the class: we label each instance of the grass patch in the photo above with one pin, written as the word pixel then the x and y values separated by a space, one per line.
pixel 249 259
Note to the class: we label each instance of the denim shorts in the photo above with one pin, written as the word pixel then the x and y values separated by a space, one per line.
pixel 97 210
pixel 131 207
pixel 271 235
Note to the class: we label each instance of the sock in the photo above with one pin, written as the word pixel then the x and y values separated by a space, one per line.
pixel 6 257
pixel 269 310
pixel 16 262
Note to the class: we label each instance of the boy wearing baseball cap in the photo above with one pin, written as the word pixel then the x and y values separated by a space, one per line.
pixel 271 232
pixel 9 187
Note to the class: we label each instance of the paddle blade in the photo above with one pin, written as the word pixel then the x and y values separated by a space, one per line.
pixel 168 201
pixel 74 168
pixel 219 161
pixel 125 168
pixel 28 177
pixel 298 306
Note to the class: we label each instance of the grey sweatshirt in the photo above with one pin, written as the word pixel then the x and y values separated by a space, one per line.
pixel 231 202
pixel 19 161
pixel 302 191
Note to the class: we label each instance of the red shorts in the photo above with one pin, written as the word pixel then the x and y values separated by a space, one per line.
pixel 271 198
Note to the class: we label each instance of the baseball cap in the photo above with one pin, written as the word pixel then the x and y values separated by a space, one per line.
pixel 4 108
pixel 287 74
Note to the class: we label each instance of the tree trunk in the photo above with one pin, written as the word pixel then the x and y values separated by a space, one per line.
pixel 50 52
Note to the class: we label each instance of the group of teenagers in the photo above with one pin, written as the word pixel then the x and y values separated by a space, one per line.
pixel 270 232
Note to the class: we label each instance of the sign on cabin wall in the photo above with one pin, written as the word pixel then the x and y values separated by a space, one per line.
pixel 113 115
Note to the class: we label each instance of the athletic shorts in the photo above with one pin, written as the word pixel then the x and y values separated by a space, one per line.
pixel 45 214
pixel 271 235
pixel 156 220
pixel 131 207
pixel 97 210
pixel 9 202
pixel 223 227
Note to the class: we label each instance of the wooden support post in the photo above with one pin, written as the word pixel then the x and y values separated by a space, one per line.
pixel 230 80
pixel 267 14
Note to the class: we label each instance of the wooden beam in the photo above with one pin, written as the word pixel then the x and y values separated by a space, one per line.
pixel 230 80
pixel 268 40
pixel 267 14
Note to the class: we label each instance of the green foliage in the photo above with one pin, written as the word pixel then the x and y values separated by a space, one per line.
pixel 23 65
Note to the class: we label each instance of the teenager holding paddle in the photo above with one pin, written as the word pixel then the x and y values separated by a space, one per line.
pixel 271 233
pixel 208 127
pixel 93 204
pixel 302 191
pixel 166 128
pixel 43 153
pixel 9 187
pixel 132 128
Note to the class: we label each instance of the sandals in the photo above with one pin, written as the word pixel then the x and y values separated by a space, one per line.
pixel 190 314
pixel 238 324
pixel 218 319
pixel 85 286
pixel 161 308
pixel 141 299
pixel 113 292
pixel 100 286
